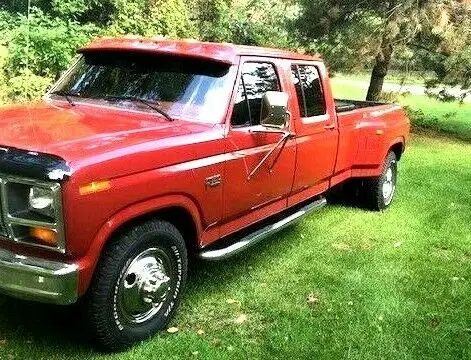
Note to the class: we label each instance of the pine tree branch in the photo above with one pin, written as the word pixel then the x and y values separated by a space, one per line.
pixel 429 50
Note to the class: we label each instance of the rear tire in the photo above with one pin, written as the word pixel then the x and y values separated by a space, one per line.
pixel 378 193
pixel 137 285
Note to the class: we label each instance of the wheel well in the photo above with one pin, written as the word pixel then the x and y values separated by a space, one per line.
pixel 398 149
pixel 177 216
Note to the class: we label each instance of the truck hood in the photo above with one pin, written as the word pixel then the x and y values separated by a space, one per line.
pixel 86 134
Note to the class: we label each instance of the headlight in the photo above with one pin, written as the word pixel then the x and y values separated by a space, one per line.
pixel 42 201
pixel 32 212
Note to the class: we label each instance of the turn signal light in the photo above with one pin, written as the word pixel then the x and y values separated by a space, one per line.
pixel 95 186
pixel 46 236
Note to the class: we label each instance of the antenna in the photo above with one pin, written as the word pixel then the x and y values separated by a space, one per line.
pixel 28 34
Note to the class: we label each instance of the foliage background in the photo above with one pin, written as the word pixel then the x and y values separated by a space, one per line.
pixel 432 38
pixel 35 49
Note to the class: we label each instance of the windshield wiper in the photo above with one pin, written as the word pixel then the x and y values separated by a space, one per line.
pixel 67 95
pixel 152 105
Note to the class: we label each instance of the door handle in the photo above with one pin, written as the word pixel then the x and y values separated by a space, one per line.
pixel 330 127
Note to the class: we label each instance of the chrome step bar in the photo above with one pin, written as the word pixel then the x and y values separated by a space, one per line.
pixel 258 235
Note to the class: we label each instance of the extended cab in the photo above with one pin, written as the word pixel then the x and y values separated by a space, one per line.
pixel 148 152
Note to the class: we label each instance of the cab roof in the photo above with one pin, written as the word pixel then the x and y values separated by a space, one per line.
pixel 224 53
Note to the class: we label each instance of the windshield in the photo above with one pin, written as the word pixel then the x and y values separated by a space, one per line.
pixel 187 89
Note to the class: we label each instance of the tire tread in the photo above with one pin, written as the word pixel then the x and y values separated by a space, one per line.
pixel 372 187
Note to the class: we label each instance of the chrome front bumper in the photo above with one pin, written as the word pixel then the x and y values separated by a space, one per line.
pixel 38 279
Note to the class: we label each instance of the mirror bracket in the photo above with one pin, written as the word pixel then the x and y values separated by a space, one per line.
pixel 286 135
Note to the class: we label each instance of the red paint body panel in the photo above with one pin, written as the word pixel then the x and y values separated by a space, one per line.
pixel 316 139
pixel 155 164
pixel 269 186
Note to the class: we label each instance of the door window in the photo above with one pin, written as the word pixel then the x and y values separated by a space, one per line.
pixel 256 80
pixel 308 86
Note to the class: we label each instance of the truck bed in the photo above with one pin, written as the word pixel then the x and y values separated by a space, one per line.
pixel 343 105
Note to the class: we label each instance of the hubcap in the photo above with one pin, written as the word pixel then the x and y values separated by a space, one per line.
pixel 389 185
pixel 144 286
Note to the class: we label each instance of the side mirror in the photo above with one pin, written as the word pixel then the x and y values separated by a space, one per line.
pixel 274 111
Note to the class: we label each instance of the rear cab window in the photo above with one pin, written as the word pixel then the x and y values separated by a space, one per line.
pixel 309 91
pixel 256 79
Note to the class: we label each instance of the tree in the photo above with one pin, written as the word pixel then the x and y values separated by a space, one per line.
pixel 386 26
pixel 151 17
pixel 43 44
pixel 249 22
pixel 448 51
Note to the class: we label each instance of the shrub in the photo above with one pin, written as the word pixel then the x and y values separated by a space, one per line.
pixel 44 45
pixel 420 120
pixel 72 9
pixel 3 79
pixel 26 86
pixel 261 22
pixel 37 49
pixel 7 22
pixel 149 18
pixel 390 96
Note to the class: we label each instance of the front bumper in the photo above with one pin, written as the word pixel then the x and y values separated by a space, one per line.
pixel 37 279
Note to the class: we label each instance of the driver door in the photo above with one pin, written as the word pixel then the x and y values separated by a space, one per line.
pixel 264 192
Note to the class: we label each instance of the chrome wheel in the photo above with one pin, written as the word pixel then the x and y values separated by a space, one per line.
pixel 144 286
pixel 389 184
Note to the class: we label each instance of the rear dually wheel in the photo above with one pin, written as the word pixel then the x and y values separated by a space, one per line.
pixel 378 193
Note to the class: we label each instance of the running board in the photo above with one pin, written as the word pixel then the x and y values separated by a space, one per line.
pixel 258 235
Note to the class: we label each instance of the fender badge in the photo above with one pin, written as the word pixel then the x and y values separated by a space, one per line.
pixel 213 181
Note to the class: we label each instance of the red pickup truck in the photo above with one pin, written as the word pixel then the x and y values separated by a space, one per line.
pixel 149 152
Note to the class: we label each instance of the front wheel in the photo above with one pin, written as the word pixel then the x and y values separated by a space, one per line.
pixel 379 192
pixel 138 285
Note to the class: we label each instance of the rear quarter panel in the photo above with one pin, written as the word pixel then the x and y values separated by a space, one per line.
pixel 366 135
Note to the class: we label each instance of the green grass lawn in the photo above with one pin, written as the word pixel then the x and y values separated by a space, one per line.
pixel 452 118
pixel 391 285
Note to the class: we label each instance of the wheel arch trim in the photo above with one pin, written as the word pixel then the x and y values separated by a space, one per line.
pixel 399 141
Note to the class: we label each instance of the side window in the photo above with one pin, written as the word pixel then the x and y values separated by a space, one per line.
pixel 257 79
pixel 308 89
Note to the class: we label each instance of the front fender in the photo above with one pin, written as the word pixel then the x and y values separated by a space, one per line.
pixel 88 263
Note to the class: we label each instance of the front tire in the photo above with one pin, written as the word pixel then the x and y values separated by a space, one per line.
pixel 378 192
pixel 138 285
